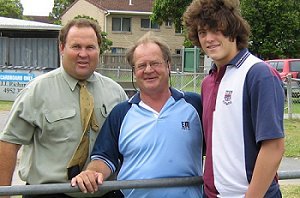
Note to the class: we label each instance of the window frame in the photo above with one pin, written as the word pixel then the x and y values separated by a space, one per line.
pixel 122 25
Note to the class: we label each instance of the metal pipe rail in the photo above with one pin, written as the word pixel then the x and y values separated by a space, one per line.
pixel 284 175
pixel 116 185
pixel 106 186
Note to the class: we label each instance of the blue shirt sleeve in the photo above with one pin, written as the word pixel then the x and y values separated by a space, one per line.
pixel 264 96
pixel 106 146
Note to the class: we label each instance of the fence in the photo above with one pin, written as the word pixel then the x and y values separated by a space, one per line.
pixel 181 80
pixel 188 81
pixel 292 90
pixel 116 185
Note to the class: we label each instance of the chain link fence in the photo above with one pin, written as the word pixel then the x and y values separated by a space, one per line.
pixel 184 81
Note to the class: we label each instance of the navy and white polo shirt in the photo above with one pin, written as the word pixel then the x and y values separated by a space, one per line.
pixel 242 105
pixel 151 145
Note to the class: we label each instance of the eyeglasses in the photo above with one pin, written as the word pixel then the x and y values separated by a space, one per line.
pixel 152 64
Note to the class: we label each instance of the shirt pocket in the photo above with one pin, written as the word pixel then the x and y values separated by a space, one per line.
pixel 60 114
pixel 61 125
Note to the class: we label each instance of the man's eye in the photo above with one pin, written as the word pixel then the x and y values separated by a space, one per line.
pixel 75 47
pixel 202 33
pixel 142 66
pixel 91 47
pixel 154 64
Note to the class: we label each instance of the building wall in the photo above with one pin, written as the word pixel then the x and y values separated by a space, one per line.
pixel 123 39
pixel 29 52
pixel 83 7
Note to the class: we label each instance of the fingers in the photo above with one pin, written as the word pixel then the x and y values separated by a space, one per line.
pixel 87 181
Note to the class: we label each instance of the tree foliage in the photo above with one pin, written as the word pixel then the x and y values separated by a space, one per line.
pixel 170 10
pixel 274 27
pixel 274 24
pixel 164 10
pixel 11 9
pixel 59 7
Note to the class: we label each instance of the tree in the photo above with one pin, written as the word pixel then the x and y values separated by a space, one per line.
pixel 164 10
pixel 59 7
pixel 11 9
pixel 274 24
pixel 274 27
pixel 170 10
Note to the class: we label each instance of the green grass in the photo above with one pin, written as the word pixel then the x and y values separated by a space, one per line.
pixel 5 105
pixel 292 147
pixel 296 106
pixel 292 137
pixel 290 191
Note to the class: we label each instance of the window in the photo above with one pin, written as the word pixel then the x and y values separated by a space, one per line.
pixel 179 29
pixel 279 66
pixel 147 24
pixel 168 23
pixel 117 50
pixel 295 66
pixel 121 24
pixel 177 51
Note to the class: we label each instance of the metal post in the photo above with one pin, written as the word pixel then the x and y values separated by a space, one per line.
pixel 289 95
pixel 195 67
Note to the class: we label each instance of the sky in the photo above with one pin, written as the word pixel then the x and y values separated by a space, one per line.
pixel 37 7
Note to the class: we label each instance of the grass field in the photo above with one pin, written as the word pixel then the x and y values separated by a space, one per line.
pixel 295 107
pixel 292 147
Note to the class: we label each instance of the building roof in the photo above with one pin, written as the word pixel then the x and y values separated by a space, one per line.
pixel 43 19
pixel 123 6
pixel 10 23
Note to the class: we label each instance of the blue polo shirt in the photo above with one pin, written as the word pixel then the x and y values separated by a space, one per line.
pixel 243 105
pixel 151 145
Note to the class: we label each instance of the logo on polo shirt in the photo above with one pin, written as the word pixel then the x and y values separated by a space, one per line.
pixel 227 97
pixel 185 125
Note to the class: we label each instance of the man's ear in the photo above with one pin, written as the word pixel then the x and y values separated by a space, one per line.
pixel 61 48
pixel 169 68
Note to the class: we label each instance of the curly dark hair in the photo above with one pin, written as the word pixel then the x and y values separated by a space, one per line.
pixel 221 15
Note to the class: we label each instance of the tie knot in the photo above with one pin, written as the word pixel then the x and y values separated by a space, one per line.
pixel 82 83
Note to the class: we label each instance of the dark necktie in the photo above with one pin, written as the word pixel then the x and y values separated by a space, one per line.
pixel 88 119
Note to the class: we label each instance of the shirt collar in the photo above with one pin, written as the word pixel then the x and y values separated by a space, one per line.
pixel 237 61
pixel 175 93
pixel 72 82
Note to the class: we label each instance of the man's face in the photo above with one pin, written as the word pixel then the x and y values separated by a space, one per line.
pixel 80 53
pixel 150 69
pixel 217 46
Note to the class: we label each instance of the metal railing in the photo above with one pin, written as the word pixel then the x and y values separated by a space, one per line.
pixel 186 81
pixel 106 186
pixel 116 185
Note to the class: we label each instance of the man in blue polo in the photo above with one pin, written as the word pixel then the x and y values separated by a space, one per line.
pixel 155 134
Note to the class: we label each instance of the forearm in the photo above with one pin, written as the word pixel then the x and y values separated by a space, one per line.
pixel 100 167
pixel 8 158
pixel 266 166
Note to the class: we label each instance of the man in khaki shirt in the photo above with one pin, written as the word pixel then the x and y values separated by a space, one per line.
pixel 45 117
